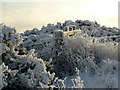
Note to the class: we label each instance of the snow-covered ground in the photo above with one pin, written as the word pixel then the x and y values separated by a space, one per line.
pixel 33 59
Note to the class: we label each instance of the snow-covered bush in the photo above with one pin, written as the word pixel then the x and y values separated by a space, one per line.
pixel 81 53
pixel 71 54
pixel 7 75
pixel 104 50
pixel 31 72
pixel 37 76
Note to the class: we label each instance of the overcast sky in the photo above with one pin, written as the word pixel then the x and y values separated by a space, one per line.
pixel 24 14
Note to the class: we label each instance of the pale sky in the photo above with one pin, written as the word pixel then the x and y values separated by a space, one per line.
pixel 25 15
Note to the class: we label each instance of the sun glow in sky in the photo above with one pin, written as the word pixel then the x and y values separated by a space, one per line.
pixel 25 15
